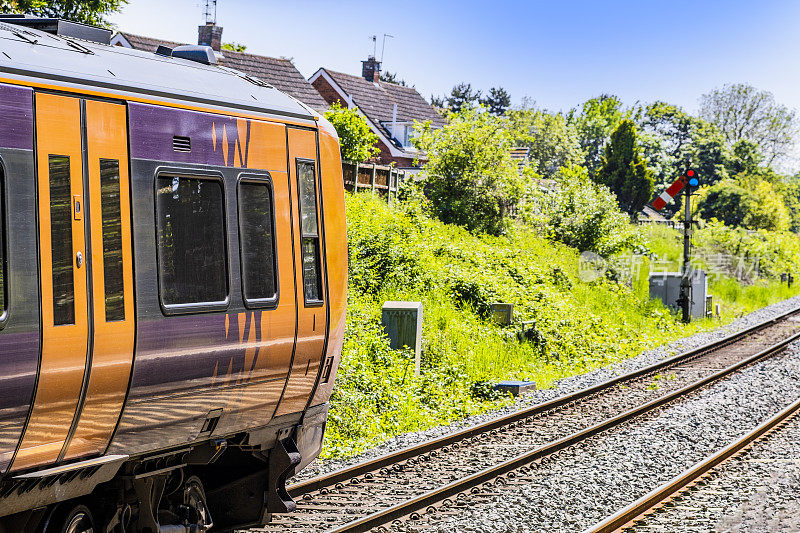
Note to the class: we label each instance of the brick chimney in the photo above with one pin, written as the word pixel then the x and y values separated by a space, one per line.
pixel 210 35
pixel 371 69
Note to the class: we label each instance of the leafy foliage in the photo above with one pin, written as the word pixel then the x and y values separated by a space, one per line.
pixel 234 47
pixel 553 141
pixel 577 325
pixel 93 12
pixel 624 171
pixel 497 101
pixel 678 140
pixel 462 96
pixel 470 178
pixel 755 206
pixel 584 215
pixel 598 118
pixel 356 139
pixel 393 77
pixel 742 112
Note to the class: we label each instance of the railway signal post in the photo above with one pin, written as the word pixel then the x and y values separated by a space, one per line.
pixel 686 280
pixel 688 183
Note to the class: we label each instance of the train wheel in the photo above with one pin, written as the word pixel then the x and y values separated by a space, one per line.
pixel 194 498
pixel 70 519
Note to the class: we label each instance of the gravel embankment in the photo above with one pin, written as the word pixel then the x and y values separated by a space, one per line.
pixel 594 479
pixel 562 387
pixel 755 492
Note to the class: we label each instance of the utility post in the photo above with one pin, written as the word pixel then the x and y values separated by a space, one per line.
pixel 685 300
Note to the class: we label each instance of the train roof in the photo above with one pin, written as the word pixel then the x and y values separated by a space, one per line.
pixel 28 52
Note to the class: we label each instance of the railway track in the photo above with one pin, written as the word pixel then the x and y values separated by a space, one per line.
pixel 376 492
pixel 636 514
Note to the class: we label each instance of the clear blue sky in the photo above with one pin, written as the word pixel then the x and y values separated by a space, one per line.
pixel 559 53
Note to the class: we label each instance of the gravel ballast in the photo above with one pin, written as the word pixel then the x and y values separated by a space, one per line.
pixel 758 491
pixel 592 480
pixel 562 387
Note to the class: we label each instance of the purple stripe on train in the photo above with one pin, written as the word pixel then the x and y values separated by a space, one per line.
pixel 16 117
pixel 215 139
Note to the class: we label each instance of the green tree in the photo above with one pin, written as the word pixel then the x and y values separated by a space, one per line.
pixel 624 170
pixel 93 12
pixel 674 140
pixel 356 140
pixel 598 118
pixel 470 177
pixel 497 101
pixel 462 96
pixel 234 47
pixel 747 202
pixel 742 112
pixel 746 157
pixel 551 138
pixel 393 77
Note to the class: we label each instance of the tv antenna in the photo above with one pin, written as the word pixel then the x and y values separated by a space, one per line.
pixel 210 11
pixel 383 46
pixel 374 39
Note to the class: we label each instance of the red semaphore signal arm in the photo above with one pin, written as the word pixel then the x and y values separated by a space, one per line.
pixel 669 194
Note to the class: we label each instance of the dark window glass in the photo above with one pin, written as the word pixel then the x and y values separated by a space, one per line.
pixel 2 246
pixel 258 248
pixel 112 239
pixel 191 240
pixel 61 241
pixel 308 199
pixel 309 231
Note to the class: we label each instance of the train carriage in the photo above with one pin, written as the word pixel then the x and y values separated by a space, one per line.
pixel 173 286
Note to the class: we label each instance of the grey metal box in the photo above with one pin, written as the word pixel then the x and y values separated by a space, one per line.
pixel 402 322
pixel 666 286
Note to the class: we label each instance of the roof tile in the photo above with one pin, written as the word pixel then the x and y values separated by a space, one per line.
pixel 280 73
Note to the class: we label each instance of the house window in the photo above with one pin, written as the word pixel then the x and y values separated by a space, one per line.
pixel 403 133
pixel 257 230
pixel 309 231
pixel 192 264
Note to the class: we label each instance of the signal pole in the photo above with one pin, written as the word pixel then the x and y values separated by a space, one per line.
pixel 686 279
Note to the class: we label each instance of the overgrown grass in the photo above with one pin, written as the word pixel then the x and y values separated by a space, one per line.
pixel 400 254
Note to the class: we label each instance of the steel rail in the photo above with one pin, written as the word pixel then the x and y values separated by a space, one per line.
pixel 347 473
pixel 635 511
pixel 434 496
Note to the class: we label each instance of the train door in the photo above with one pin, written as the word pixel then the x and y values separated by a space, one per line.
pixel 312 304
pixel 86 279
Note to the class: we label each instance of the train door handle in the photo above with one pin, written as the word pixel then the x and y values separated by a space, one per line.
pixel 79 259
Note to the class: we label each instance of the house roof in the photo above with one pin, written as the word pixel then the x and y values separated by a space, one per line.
pixel 376 100
pixel 280 73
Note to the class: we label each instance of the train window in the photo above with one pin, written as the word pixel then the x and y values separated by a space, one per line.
pixel 61 240
pixel 190 217
pixel 309 231
pixel 112 240
pixel 257 229
pixel 3 298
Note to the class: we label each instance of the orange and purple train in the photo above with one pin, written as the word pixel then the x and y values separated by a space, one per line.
pixel 173 270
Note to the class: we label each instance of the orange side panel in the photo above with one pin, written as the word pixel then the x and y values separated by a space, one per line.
pixel 63 356
pixel 311 320
pixel 112 352
pixel 332 192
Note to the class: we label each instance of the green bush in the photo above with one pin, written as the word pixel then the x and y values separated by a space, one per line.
pixel 582 214
pixel 753 205
pixel 356 140
pixel 470 177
